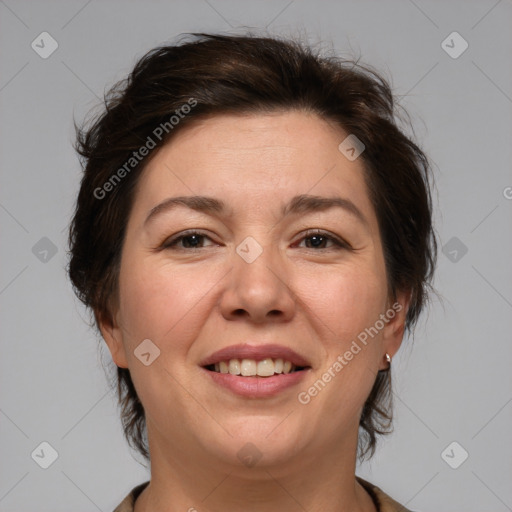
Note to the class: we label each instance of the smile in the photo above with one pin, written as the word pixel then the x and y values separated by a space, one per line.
pixel 256 371
pixel 252 368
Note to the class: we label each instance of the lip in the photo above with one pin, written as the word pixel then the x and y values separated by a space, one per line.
pixel 256 352
pixel 257 387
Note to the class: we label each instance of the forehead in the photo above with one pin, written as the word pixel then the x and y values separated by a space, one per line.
pixel 254 160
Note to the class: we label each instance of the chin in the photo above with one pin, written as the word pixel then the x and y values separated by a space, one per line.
pixel 257 442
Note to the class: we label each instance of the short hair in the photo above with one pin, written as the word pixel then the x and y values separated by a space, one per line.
pixel 225 74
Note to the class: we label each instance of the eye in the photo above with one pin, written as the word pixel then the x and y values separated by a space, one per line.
pixel 318 239
pixel 186 240
pixel 314 239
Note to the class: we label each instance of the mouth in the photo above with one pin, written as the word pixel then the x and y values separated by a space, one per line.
pixel 255 371
pixel 267 367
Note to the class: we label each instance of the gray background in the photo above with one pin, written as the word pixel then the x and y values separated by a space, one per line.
pixel 452 381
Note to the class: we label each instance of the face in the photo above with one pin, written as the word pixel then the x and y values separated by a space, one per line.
pixel 260 262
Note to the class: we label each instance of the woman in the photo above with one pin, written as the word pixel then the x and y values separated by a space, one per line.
pixel 254 236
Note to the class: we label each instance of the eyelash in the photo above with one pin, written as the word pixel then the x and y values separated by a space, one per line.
pixel 339 243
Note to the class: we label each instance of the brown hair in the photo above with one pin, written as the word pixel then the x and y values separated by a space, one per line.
pixel 217 74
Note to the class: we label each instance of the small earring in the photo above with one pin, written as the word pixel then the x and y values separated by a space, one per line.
pixel 388 359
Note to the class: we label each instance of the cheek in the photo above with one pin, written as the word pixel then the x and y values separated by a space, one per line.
pixel 345 300
pixel 160 303
pixel 343 304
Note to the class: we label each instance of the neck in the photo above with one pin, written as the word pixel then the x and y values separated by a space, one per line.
pixel 186 479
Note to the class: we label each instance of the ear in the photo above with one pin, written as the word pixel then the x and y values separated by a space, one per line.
pixel 113 336
pixel 394 329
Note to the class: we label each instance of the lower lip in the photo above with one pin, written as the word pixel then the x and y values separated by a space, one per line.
pixel 257 387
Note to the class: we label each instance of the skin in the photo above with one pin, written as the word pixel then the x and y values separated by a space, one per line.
pixel 191 302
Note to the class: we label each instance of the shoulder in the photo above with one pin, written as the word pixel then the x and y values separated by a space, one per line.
pixel 383 502
pixel 129 501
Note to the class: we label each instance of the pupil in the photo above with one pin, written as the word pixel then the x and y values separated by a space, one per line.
pixel 316 240
pixel 192 237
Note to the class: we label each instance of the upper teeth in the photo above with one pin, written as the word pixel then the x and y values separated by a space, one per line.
pixel 250 367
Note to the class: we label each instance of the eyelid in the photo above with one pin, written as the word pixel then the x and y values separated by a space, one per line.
pixel 337 240
pixel 170 241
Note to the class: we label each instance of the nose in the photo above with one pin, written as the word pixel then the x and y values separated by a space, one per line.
pixel 258 291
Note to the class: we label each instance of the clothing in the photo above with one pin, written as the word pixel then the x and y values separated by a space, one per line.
pixel 382 501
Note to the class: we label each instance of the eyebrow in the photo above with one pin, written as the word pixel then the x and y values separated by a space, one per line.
pixel 303 203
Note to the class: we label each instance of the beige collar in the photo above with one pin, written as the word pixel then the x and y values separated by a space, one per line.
pixel 383 502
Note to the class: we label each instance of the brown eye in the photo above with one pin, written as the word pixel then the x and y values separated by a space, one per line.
pixel 317 241
pixel 188 240
pixel 323 240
